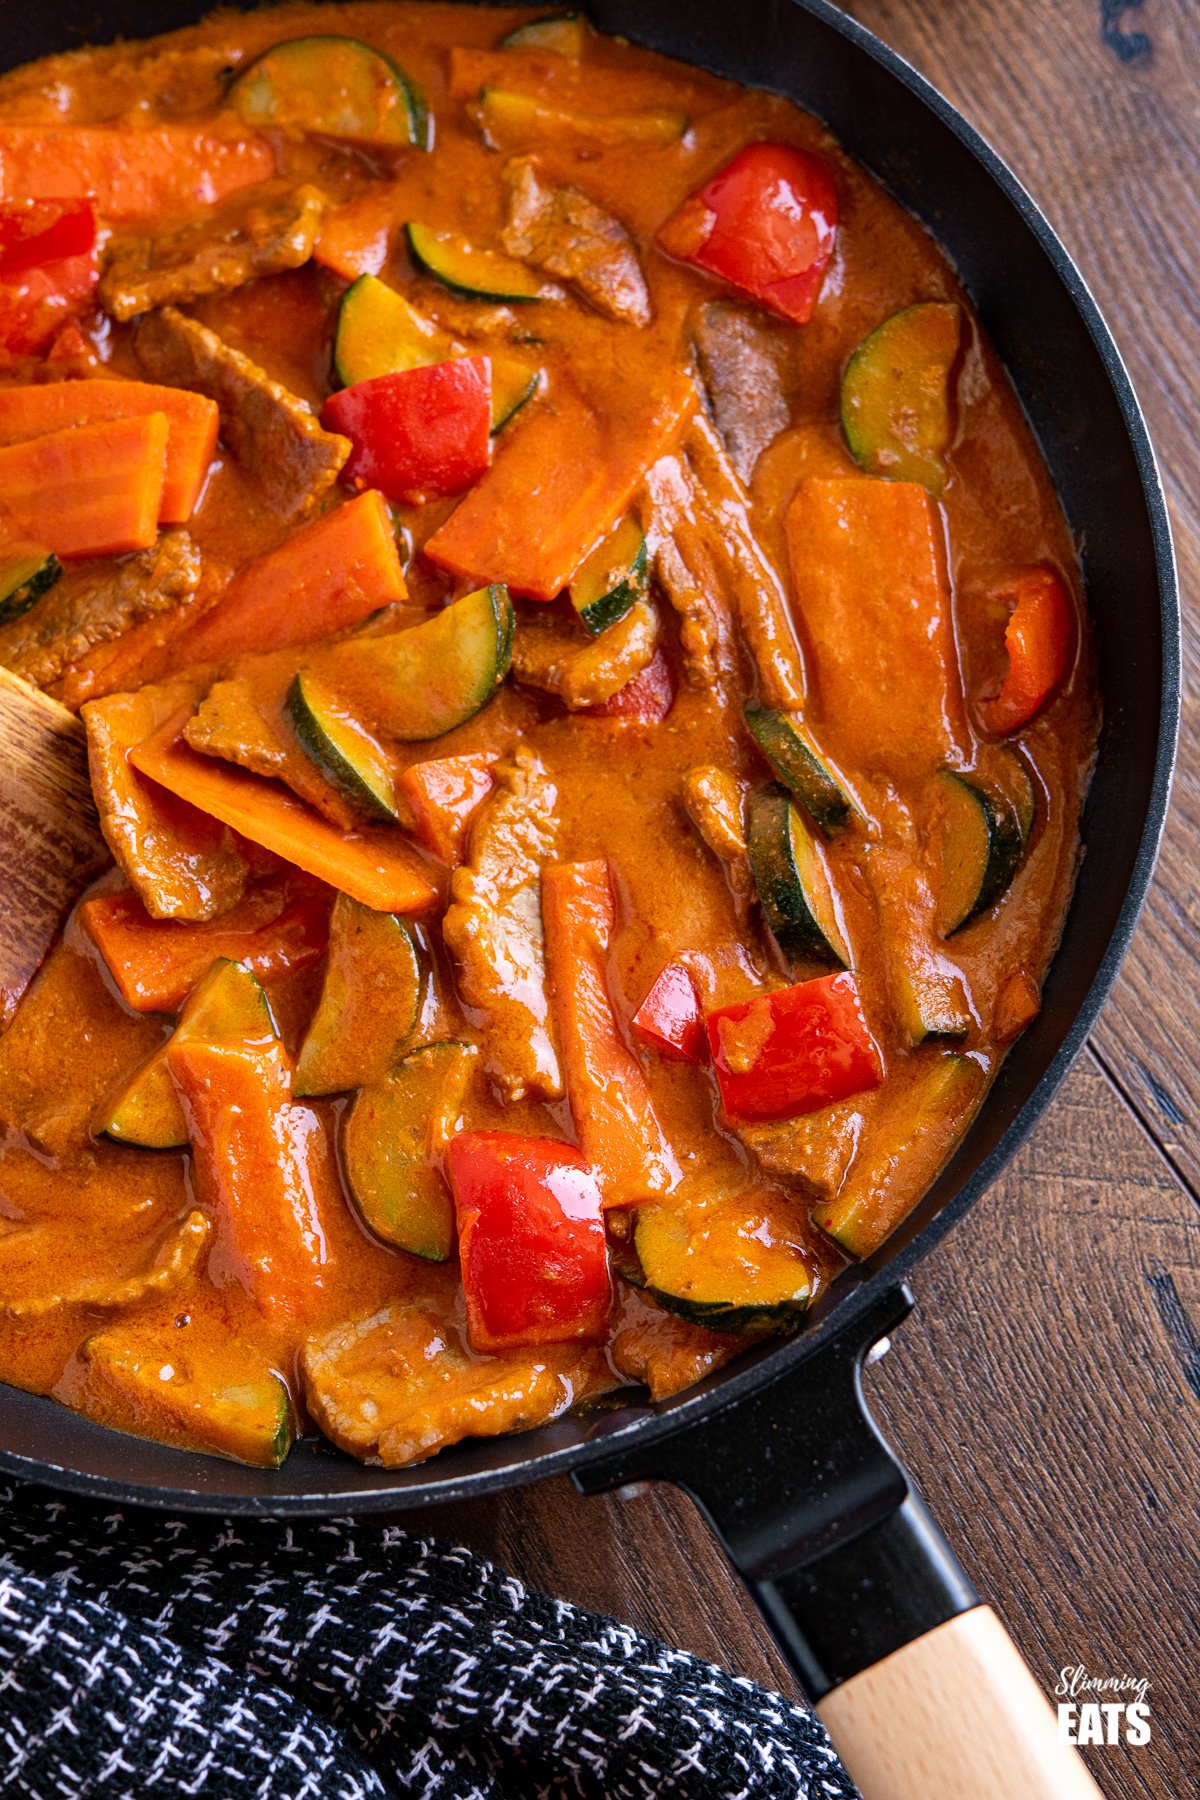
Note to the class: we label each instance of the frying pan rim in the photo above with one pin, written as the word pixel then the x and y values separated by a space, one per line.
pixel 650 1427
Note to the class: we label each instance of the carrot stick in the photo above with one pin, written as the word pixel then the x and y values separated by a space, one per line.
pixel 869 571
pixel 356 239
pixel 615 1121
pixel 30 412
pixel 254 1151
pixel 442 796
pixel 129 173
pixel 330 575
pixel 371 866
pixel 92 491
pixel 156 963
pixel 565 477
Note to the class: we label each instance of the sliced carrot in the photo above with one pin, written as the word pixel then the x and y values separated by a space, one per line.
pixel 555 488
pixel 276 929
pixel 129 173
pixel 92 491
pixel 356 239
pixel 30 412
pixel 371 866
pixel 330 575
pixel 869 572
pixel 615 1121
pixel 256 1152
pixel 442 796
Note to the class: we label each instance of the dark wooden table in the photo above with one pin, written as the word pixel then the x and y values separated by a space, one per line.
pixel 1046 1395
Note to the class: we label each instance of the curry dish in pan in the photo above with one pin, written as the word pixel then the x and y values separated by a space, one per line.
pixel 587 692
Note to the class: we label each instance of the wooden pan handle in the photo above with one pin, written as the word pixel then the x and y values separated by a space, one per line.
pixel 955 1713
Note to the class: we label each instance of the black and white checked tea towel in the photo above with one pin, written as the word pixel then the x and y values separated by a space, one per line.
pixel 142 1655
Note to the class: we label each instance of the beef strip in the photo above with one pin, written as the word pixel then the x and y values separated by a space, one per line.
pixel 271 432
pixel 235 244
pixel 812 1152
pixel 712 799
pixel 563 232
pixel 684 572
pixel 741 364
pixel 95 601
pixel 556 656
pixel 381 1391
pixel 493 927
pixel 181 863
pixel 36 1278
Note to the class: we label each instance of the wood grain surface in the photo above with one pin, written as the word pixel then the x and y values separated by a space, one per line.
pixel 53 837
pixel 1046 1395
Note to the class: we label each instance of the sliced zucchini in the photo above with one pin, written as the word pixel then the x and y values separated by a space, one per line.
pixel 563 33
pixel 793 882
pixel 732 1263
pixel 512 118
pixel 981 843
pixel 369 1001
pixel 422 682
pixel 613 577
pixel 335 87
pixel 513 384
pixel 896 394
pixel 226 1006
pixel 871 1202
pixel 153 1386
pixel 347 756
pixel 379 333
pixel 931 1003
pixel 791 753
pixel 27 571
pixel 475 273
pixel 392 1141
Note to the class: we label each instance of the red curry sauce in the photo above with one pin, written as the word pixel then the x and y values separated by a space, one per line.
pixel 586 825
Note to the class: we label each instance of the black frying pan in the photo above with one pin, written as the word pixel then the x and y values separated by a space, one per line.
pixel 779 1449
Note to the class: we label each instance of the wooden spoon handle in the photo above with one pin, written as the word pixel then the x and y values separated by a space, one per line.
pixel 954 1713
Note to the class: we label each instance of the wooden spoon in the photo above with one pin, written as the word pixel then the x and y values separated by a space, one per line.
pixel 50 842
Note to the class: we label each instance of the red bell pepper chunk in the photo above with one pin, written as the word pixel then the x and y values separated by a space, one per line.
pixel 48 269
pixel 793 1050
pixel 420 433
pixel 766 223
pixel 1039 639
pixel 530 1240
pixel 670 1019
pixel 645 700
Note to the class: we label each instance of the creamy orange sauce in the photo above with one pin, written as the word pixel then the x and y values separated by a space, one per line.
pixel 77 1209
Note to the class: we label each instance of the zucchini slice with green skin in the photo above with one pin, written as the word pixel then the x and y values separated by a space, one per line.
pixel 370 1000
pixel 613 577
pixel 392 1141
pixel 787 747
pixel 146 1384
pixel 513 384
pixel 379 333
pixel 981 843
pixel 347 756
pixel 730 1264
pixel 473 272
pixel 896 394
pixel 563 33
pixel 226 1006
pixel 793 882
pixel 334 87
pixel 871 1203
pixel 27 571
pixel 420 683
